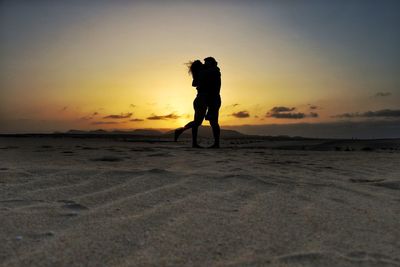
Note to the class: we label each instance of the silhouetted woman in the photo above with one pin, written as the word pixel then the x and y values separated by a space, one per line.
pixel 199 104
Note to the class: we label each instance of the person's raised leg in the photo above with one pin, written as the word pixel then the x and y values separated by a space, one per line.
pixel 180 130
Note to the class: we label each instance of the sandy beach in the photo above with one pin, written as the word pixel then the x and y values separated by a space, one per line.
pixel 100 202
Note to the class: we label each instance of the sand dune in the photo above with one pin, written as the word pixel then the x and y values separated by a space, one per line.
pixel 98 202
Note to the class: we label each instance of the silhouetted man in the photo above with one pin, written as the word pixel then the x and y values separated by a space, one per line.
pixel 211 83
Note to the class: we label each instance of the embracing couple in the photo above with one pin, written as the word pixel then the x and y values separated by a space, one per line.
pixel 207 80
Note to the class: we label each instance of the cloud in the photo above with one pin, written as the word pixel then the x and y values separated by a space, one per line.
pixel 136 119
pixel 64 109
pixel 241 114
pixel 171 116
pixel 104 122
pixel 281 112
pixel 89 117
pixel 385 113
pixel 230 107
pixel 132 105
pixel 120 116
pixel 286 115
pixel 281 109
pixel 382 94
pixel 86 118
pixel 313 107
pixel 345 115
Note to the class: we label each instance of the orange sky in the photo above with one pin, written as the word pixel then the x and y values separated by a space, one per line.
pixel 72 65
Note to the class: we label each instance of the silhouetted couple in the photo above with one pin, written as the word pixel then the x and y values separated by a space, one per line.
pixel 207 80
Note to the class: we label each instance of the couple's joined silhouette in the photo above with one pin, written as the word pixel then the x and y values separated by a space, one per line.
pixel 207 80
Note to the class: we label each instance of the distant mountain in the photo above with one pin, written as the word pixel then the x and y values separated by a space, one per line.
pixel 99 131
pixel 74 132
pixel 148 132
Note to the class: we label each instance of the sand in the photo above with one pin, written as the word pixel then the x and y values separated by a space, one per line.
pixel 99 202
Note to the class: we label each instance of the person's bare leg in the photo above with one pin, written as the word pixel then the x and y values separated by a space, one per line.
pixel 216 132
pixel 180 130
pixel 194 137
pixel 198 120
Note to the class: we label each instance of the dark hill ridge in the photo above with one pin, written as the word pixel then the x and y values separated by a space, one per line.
pixel 144 132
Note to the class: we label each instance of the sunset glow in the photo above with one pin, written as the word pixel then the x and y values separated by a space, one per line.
pixel 70 65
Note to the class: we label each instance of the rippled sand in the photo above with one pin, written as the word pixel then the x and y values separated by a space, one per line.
pixel 92 202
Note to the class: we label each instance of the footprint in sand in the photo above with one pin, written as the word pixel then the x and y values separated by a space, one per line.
pixel 353 180
pixel 362 256
pixel 69 204
pixel 108 159
pixel 35 236
pixel 89 148
pixel 42 235
pixel 161 154
pixel 9 147
pixel 395 185
pixel 359 258
pixel 18 203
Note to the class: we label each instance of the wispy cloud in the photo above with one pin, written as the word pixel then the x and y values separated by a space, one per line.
pixel 286 115
pixel 89 117
pixel 86 118
pixel 388 113
pixel 171 116
pixel 281 109
pixel 241 114
pixel 281 112
pixel 120 116
pixel 137 120
pixel 104 122
pixel 230 107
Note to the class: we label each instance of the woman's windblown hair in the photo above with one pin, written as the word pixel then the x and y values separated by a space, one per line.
pixel 194 66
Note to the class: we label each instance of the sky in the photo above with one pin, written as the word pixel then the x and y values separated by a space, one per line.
pixel 121 64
